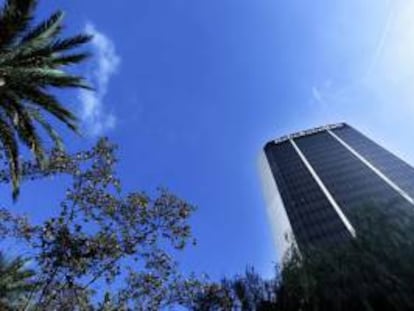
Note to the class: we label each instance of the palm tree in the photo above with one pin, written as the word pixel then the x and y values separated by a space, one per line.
pixel 16 283
pixel 32 62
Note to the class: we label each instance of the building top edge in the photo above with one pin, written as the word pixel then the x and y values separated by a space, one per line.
pixel 307 132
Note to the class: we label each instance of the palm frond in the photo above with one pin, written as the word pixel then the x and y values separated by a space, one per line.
pixel 16 282
pixel 69 59
pixel 70 43
pixel 15 17
pixel 11 150
pixel 47 29
pixel 43 77
pixel 32 60
pixel 38 117
pixel 49 103
pixel 37 51
pixel 22 122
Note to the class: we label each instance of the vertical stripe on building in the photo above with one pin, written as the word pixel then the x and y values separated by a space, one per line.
pixel 324 189
pixel 373 168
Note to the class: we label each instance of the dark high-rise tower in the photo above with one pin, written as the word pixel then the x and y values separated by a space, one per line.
pixel 312 179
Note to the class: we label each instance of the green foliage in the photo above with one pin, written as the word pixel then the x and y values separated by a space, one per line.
pixel 103 240
pixel 16 282
pixel 372 272
pixel 32 59
pixel 248 292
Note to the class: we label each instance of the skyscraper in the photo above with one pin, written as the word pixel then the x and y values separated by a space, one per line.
pixel 313 179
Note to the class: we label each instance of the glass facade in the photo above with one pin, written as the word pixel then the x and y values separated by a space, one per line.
pixel 393 167
pixel 351 169
pixel 312 218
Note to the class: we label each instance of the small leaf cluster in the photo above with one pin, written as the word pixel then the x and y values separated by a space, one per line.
pixel 103 238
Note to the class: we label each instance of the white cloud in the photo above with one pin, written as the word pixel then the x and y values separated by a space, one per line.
pixel 322 93
pixel 379 50
pixel 396 59
pixel 105 64
pixel 378 84
pixel 317 96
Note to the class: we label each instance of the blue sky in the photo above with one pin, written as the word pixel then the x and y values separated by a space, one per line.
pixel 191 91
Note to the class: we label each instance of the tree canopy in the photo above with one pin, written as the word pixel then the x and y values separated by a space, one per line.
pixel 101 238
pixel 372 272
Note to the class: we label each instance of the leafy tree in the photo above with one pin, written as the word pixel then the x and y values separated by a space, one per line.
pixel 32 61
pixel 372 272
pixel 115 248
pixel 16 282
pixel 248 292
